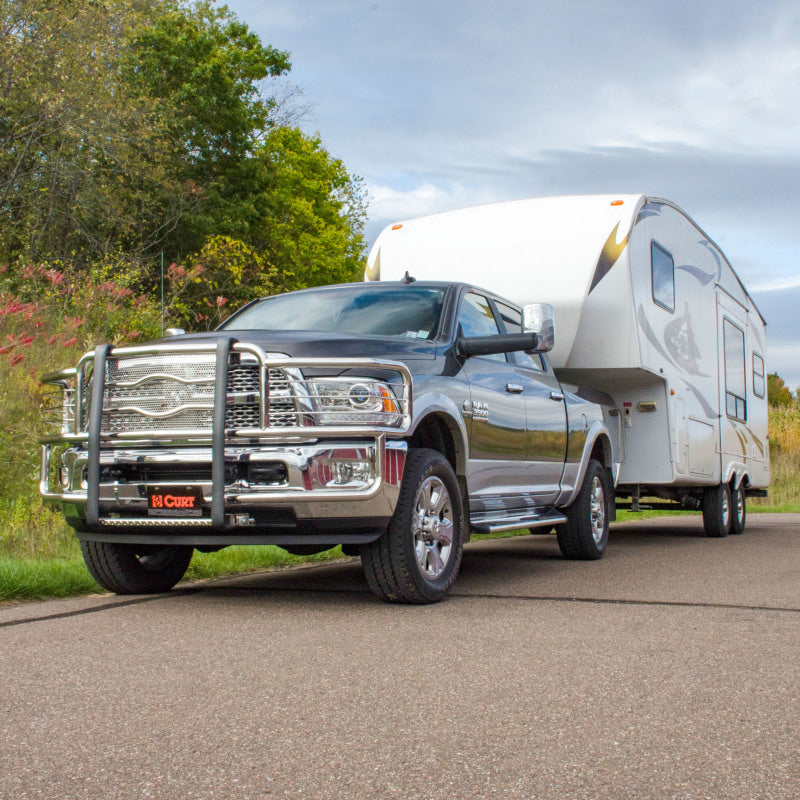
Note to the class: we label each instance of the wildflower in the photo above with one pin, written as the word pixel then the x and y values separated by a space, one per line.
pixel 221 301
pixel 54 276
pixel 14 361
pixel 70 342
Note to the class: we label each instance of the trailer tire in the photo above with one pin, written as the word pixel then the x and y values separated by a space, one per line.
pixel 585 533
pixel 717 516
pixel 418 557
pixel 136 569
pixel 738 509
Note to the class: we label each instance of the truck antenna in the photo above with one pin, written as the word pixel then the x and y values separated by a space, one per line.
pixel 407 279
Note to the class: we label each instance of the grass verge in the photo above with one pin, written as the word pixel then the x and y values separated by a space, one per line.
pixel 24 579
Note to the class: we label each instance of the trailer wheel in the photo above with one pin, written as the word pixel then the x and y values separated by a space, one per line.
pixel 585 533
pixel 717 516
pixel 136 569
pixel 418 557
pixel 738 509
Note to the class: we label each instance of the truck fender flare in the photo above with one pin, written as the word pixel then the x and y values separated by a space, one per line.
pixel 443 407
pixel 597 431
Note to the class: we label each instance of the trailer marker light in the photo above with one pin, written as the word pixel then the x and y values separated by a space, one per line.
pixel 617 202
pixel 396 227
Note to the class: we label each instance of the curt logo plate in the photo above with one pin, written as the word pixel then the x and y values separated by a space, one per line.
pixel 174 501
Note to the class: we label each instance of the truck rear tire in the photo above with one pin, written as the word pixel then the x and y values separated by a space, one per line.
pixel 418 557
pixel 585 533
pixel 136 569
pixel 717 516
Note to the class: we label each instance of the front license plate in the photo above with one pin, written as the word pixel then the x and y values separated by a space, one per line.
pixel 174 501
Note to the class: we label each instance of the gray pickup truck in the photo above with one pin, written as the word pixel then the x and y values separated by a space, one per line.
pixel 393 419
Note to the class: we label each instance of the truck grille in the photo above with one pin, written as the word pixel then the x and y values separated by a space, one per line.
pixel 169 392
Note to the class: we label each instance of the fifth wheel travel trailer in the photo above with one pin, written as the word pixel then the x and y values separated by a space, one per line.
pixel 648 311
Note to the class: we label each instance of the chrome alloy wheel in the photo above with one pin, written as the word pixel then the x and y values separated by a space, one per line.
pixel 432 527
pixel 726 509
pixel 598 510
pixel 739 504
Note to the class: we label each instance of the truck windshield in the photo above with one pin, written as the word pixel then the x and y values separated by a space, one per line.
pixel 406 311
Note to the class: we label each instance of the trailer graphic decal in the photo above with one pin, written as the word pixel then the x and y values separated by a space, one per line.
pixel 650 333
pixel 702 276
pixel 649 210
pixel 680 341
pixel 707 409
pixel 609 256
pixel 713 250
pixel 374 270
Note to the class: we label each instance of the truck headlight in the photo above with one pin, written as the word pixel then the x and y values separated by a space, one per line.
pixel 354 401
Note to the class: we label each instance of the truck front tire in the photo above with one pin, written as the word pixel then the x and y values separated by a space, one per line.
pixel 418 557
pixel 585 533
pixel 136 569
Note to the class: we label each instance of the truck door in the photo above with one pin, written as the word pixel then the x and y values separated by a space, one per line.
pixel 545 416
pixel 495 410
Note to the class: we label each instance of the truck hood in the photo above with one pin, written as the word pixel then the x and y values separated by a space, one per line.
pixel 313 344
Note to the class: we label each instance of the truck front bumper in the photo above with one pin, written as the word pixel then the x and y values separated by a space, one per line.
pixel 322 492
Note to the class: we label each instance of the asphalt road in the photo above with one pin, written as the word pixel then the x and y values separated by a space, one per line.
pixel 667 670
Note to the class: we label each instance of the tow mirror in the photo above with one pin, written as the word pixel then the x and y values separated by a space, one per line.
pixel 499 343
pixel 538 318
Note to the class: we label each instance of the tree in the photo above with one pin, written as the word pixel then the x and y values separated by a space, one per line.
pixel 136 128
pixel 311 213
pixel 82 160
pixel 778 393
pixel 204 71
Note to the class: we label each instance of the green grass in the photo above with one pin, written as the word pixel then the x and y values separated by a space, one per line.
pixel 40 578
pixel 36 579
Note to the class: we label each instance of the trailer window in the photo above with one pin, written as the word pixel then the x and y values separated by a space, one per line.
pixel 758 375
pixel 663 271
pixel 735 384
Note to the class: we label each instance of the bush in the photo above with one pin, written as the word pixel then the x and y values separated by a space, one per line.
pixel 50 315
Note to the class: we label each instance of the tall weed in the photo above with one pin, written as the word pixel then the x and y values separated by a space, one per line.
pixel 784 459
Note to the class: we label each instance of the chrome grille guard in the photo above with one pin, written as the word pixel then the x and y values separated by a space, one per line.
pixel 86 422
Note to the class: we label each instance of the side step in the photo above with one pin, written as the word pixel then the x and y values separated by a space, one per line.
pixel 491 522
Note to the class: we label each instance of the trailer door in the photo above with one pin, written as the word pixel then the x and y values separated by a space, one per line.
pixel 733 433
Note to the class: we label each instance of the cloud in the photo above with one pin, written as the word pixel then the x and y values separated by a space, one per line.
pixel 444 105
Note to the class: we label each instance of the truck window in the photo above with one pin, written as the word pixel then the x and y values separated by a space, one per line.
pixel 663 272
pixel 758 375
pixel 477 319
pixel 362 309
pixel 735 384
pixel 512 320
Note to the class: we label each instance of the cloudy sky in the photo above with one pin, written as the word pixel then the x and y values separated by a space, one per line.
pixel 439 105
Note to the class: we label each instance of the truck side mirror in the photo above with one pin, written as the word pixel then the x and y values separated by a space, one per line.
pixel 538 318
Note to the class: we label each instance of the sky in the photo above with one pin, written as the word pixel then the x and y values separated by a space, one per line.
pixel 439 105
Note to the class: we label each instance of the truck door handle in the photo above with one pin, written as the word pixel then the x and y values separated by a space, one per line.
pixel 556 396
pixel 514 388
